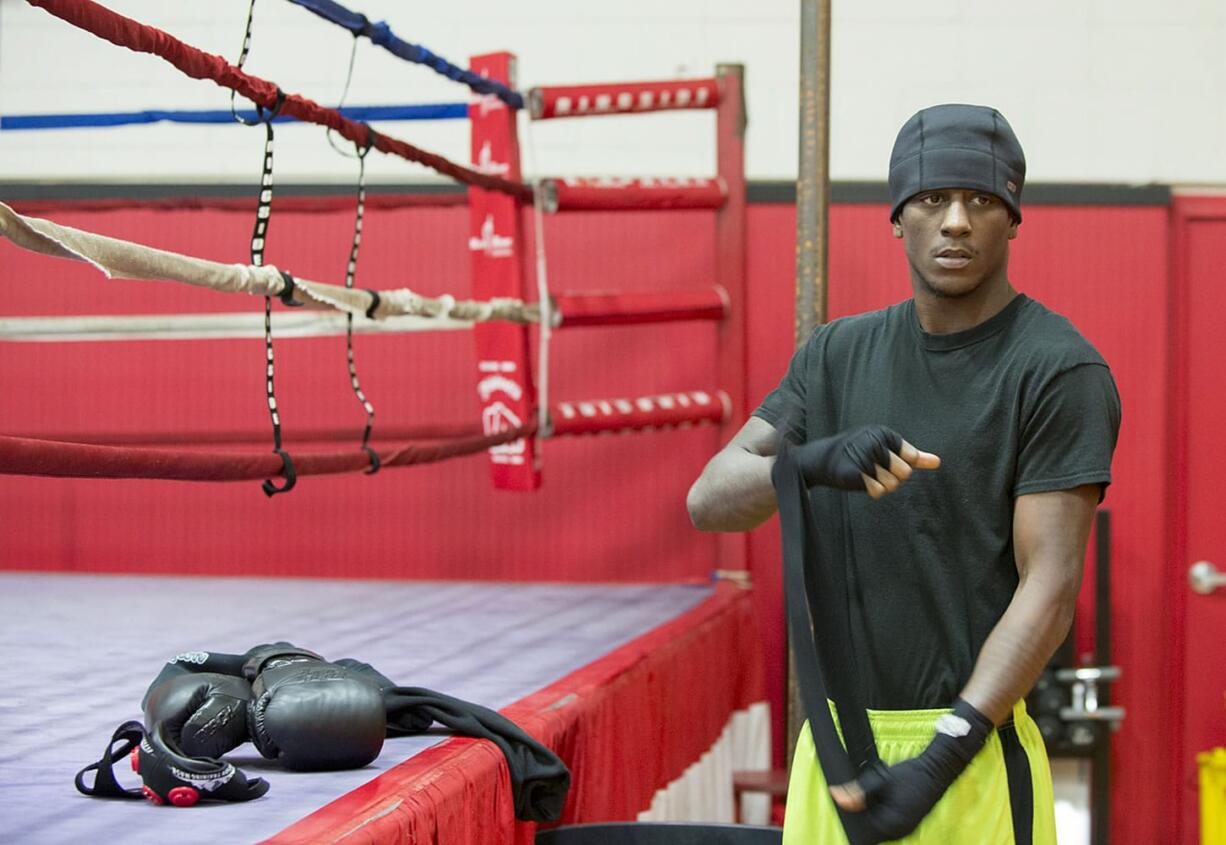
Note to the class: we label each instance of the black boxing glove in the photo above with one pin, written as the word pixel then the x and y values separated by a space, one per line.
pixel 310 714
pixel 205 714
pixel 898 797
pixel 837 461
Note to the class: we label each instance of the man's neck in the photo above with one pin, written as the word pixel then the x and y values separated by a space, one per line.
pixel 946 315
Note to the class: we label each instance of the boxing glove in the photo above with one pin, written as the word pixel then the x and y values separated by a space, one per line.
pixel 205 714
pixel 310 714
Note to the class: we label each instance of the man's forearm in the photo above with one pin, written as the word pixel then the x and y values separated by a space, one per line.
pixel 734 492
pixel 1032 628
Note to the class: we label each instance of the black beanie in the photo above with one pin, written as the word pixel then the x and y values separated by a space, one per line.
pixel 957 146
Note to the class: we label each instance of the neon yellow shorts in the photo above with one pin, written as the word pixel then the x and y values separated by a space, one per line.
pixel 1005 789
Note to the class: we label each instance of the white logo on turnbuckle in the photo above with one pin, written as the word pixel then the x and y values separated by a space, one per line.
pixel 490 242
pixel 498 417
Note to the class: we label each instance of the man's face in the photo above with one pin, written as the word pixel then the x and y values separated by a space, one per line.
pixel 956 240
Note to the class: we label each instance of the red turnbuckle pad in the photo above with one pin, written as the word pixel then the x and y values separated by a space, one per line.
pixel 152 796
pixel 184 796
pixel 135 758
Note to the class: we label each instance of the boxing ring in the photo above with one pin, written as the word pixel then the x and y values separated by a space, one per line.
pixel 650 692
pixel 79 670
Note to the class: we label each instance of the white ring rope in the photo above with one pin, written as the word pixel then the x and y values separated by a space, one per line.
pixel 118 259
pixel 249 324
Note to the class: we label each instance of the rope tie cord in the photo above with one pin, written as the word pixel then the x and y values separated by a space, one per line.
pixel 242 60
pixel 197 64
pixel 375 302
pixel 360 151
pixel 287 292
pixel 350 272
pixel 263 215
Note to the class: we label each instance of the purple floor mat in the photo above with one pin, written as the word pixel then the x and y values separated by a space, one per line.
pixel 80 651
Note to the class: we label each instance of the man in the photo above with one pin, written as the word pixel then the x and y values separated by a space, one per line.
pixel 964 559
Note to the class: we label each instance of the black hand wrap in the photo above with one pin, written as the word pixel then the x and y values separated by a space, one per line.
pixel 168 777
pixel 898 797
pixel 310 714
pixel 837 461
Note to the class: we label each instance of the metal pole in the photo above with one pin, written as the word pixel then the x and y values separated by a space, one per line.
pixel 730 273
pixel 812 211
pixel 813 183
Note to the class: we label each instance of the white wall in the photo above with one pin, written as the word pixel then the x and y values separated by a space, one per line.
pixel 1098 90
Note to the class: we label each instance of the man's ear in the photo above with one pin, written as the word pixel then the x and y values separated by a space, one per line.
pixel 1012 230
pixel 898 230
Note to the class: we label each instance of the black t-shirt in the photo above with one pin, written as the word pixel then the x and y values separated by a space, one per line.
pixel 1019 404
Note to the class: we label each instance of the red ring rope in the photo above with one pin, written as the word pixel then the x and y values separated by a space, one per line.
pixel 21 456
pixel 33 456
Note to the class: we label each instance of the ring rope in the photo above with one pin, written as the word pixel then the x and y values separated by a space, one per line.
pixel 27 456
pixel 120 259
pixel 197 64
pixel 88 120
pixel 63 459
pixel 381 34
pixel 400 309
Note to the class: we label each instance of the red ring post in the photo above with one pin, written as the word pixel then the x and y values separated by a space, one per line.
pixel 505 384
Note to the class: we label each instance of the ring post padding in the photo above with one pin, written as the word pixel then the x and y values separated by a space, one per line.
pixel 504 377
pixel 622 98
pixel 617 194
pixel 668 410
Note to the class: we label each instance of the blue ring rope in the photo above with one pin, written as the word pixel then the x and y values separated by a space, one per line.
pixel 427 111
pixel 380 33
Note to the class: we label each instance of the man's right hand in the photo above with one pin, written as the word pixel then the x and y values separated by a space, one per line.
pixel 872 458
